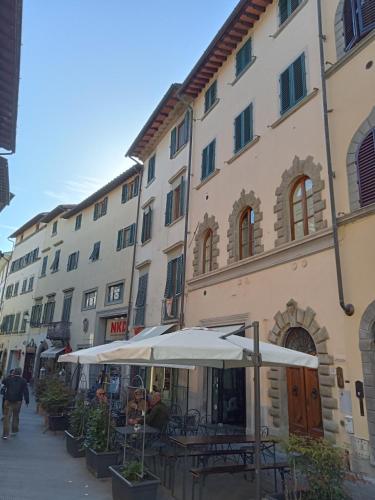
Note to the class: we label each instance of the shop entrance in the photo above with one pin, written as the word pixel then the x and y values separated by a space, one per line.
pixel 28 366
pixel 228 396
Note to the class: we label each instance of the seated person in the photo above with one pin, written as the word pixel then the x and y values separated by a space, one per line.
pixel 100 397
pixel 158 414
pixel 137 407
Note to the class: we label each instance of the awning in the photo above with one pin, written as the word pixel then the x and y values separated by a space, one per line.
pixel 52 352
pixel 152 331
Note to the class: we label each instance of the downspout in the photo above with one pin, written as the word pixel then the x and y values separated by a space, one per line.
pixel 186 230
pixel 347 308
pixel 135 248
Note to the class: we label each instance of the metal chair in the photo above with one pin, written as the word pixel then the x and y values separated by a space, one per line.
pixel 191 422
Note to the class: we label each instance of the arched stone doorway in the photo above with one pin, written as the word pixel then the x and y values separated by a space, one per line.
pixel 304 405
pixel 295 317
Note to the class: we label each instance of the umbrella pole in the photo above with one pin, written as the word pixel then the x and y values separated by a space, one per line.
pixel 257 362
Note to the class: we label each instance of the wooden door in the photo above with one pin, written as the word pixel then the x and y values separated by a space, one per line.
pixel 305 415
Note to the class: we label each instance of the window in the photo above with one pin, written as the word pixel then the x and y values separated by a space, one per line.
pixel 72 261
pixel 7 323
pixel 48 311
pixel 24 286
pixel 207 252
pixel 151 169
pixel 210 96
pixel 146 225
pixel 95 252
pixel 54 228
pixel 302 208
pixel 208 160
pixel 286 8
pixel 31 284
pixel 175 205
pixel 24 261
pixel 366 169
pixel 17 323
pixel 359 19
pixel 180 135
pixel 140 303
pixel 67 306
pixel 100 208
pixel 130 190
pixel 125 237
pixel 243 57
pixel 55 263
pixel 293 84
pixel 115 293
pixel 78 222
pixel 173 285
pixel 9 292
pixel 15 289
pixel 243 128
pixel 44 266
pixel 246 231
pixel 36 314
pixel 89 299
pixel 24 321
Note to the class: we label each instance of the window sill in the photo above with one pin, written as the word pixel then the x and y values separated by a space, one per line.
pixel 60 242
pixel 253 59
pixel 54 271
pixel 208 178
pixel 290 19
pixel 175 221
pixel 172 157
pixel 116 302
pixel 150 182
pixel 217 100
pixel 145 242
pixel 243 150
pixel 295 108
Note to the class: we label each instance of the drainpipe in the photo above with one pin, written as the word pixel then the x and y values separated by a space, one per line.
pixel 186 230
pixel 347 308
pixel 135 247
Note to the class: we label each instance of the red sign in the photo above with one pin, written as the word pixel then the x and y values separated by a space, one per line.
pixel 116 327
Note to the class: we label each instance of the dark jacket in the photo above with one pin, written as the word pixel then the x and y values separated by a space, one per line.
pixel 158 416
pixel 16 389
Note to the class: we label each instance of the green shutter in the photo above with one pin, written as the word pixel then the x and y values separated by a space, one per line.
pixel 132 235
pixel 144 221
pixel 182 196
pixel 187 127
pixel 173 146
pixel 168 209
pixel 299 79
pixel 136 186
pixel 142 291
pixel 179 274
pixel 211 155
pixel 149 224
pixel 285 91
pixel 283 11
pixel 124 195
pixel 119 239
pixel 96 210
pixel 169 283
pixel 204 163
pixel 248 124
pixel 237 133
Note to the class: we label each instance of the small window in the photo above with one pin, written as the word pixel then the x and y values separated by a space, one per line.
pixel 115 293
pixel 207 252
pixel 95 252
pixel 44 266
pixel 48 311
pixel 15 290
pixel 125 237
pixel 9 291
pixel 359 19
pixel 286 8
pixel 130 190
pixel 246 231
pixel 67 307
pixel 151 169
pixel 210 96
pixel 293 84
pixel 366 169
pixel 54 228
pixel 146 225
pixel 89 299
pixel 243 128
pixel 175 206
pixel 100 208
pixel 243 57
pixel 36 314
pixel 72 261
pixel 173 285
pixel 78 222
pixel 55 263
pixel 208 160
pixel 302 208
pixel 24 286
pixel 180 135
pixel 17 323
pixel 31 284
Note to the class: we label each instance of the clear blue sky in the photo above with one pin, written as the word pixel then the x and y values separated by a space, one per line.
pixel 91 74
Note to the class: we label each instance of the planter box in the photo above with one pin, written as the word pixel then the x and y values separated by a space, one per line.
pixel 122 489
pixel 57 422
pixel 74 446
pixel 98 463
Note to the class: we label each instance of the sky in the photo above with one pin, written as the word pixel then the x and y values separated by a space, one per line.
pixel 92 72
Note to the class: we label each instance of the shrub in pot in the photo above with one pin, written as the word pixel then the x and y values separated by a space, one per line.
pixel 99 441
pixel 55 399
pixel 129 482
pixel 75 436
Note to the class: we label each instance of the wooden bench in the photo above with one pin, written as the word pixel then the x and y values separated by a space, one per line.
pixel 200 475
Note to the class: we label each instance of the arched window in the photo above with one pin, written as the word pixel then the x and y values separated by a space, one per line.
pixel 359 19
pixel 246 233
pixel 366 169
pixel 207 252
pixel 300 340
pixel 302 208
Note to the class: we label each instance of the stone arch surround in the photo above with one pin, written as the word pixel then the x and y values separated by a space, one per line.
pixel 204 226
pixel 293 316
pixel 367 348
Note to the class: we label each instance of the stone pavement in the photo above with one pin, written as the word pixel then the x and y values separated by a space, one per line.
pixel 35 466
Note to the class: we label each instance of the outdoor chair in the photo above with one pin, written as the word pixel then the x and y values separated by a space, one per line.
pixel 191 422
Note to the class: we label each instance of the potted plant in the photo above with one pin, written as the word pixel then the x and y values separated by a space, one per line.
pixel 99 441
pixel 132 483
pixel 55 400
pixel 318 470
pixel 75 436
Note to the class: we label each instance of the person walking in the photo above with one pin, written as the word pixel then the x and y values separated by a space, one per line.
pixel 15 391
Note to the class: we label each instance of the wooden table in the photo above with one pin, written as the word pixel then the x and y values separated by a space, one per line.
pixel 187 442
